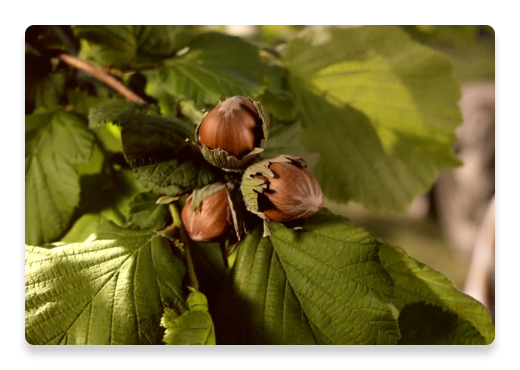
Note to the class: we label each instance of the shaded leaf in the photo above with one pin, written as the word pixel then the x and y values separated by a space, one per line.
pixel 116 111
pixel 416 282
pixel 54 143
pixel 82 101
pixel 156 148
pixel 280 105
pixel 48 92
pixel 424 324
pixel 193 327
pixel 112 290
pixel 103 197
pixel 214 66
pixel 286 138
pixel 211 272
pixel 111 46
pixel 145 213
pixel 321 285
pixel 380 108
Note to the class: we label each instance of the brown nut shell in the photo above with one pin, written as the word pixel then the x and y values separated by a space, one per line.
pixel 293 193
pixel 212 222
pixel 234 126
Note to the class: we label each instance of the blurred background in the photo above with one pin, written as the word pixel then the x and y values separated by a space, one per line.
pixel 451 227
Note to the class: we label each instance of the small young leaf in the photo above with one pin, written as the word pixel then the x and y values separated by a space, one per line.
pixel 145 213
pixel 193 327
pixel 321 285
pixel 54 143
pixel 112 290
pixel 416 282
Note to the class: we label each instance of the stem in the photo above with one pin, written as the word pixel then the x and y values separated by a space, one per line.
pixel 177 222
pixel 101 75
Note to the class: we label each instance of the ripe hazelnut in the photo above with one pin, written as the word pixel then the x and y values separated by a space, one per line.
pixel 212 222
pixel 293 193
pixel 234 126
pixel 234 133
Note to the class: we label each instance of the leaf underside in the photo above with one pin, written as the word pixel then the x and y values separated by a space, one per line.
pixel 54 143
pixel 111 290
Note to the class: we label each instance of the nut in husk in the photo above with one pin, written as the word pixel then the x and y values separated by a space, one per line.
pixel 234 133
pixel 214 213
pixel 281 189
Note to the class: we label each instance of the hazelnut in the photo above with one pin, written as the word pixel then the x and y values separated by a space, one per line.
pixel 293 193
pixel 212 222
pixel 234 126
pixel 233 134
pixel 280 189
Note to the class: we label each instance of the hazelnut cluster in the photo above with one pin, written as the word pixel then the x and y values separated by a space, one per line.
pixel 232 136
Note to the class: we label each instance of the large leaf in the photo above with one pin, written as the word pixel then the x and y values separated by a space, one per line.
pixel 213 67
pixel 54 143
pixel 112 290
pixel 466 321
pixel 193 327
pixel 321 285
pixel 119 46
pixel 380 108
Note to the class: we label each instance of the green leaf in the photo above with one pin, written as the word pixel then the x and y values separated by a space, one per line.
pixel 82 101
pixel 54 143
pixel 156 42
pixel 424 324
pixel 280 105
pixel 111 46
pixel 193 327
pixel 48 92
pixel 103 197
pixel 156 147
pixel 211 272
pixel 286 138
pixel 145 213
pixel 112 290
pixel 415 282
pixel 380 108
pixel 321 285
pixel 167 103
pixel 116 111
pixel 214 66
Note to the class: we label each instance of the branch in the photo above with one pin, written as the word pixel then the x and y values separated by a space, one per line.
pixel 101 75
